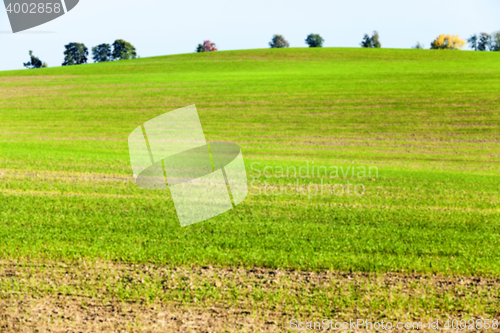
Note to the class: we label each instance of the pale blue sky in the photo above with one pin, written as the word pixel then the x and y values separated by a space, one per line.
pixel 170 27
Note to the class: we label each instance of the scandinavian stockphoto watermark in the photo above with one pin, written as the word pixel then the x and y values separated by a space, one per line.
pixel 205 179
pixel 26 14
pixel 310 180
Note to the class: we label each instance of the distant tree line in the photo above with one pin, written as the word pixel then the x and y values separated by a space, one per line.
pixel 485 42
pixel 481 42
pixel 77 54
pixel 277 41
pixel 477 42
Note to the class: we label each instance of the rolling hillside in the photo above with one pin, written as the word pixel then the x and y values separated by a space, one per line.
pixel 426 123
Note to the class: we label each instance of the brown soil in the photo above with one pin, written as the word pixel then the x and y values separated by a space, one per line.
pixel 112 297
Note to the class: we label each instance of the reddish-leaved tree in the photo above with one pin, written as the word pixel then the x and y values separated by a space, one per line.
pixel 207 46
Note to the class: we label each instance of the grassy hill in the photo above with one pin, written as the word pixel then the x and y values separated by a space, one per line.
pixel 425 122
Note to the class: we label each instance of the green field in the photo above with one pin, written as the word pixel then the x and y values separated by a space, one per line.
pixel 426 123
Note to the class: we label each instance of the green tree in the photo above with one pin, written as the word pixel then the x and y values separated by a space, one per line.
pixel 34 62
pixel 314 40
pixel 278 41
pixel 123 50
pixel 75 54
pixel 375 40
pixel 472 41
pixel 418 46
pixel 102 53
pixel 366 42
pixel 372 41
pixel 495 41
pixel 484 42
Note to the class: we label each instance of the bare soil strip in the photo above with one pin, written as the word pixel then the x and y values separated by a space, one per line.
pixel 113 297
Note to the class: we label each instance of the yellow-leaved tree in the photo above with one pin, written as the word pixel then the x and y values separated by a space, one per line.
pixel 447 42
